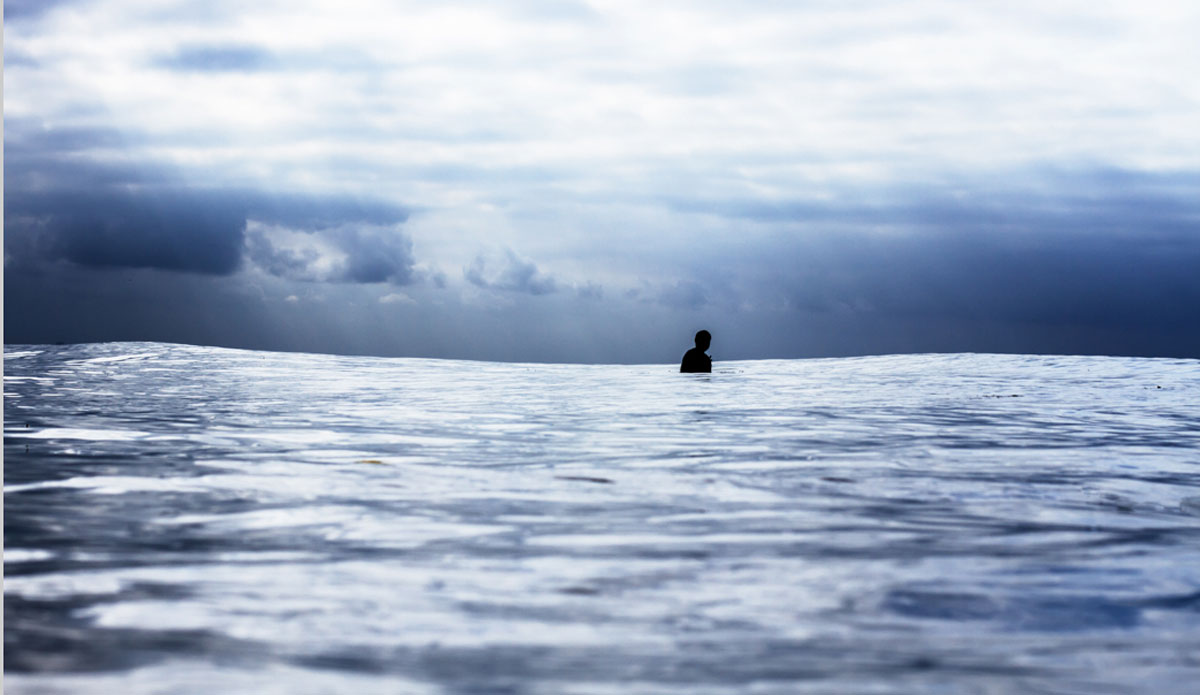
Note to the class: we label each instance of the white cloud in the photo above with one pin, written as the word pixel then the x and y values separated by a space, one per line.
pixel 639 92
pixel 397 298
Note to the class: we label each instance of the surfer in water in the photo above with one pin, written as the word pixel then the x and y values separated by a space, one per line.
pixel 695 360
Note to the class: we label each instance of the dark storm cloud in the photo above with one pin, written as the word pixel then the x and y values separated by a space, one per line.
pixel 1018 278
pixel 1094 261
pixel 516 275
pixel 184 229
pixel 218 58
pixel 167 229
pixel 61 206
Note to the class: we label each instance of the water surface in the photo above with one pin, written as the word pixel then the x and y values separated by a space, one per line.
pixel 194 520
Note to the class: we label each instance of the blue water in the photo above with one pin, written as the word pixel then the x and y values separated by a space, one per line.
pixel 199 520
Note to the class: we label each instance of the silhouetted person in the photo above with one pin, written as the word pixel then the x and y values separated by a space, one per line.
pixel 695 360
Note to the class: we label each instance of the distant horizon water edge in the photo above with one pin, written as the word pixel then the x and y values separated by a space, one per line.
pixel 683 346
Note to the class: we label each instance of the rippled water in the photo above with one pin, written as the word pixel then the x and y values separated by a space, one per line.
pixel 198 520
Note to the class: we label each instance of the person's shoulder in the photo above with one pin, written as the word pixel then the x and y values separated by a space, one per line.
pixel 695 360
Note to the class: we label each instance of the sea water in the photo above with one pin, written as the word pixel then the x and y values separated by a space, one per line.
pixel 198 520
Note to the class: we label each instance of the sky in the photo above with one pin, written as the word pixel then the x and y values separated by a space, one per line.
pixel 528 180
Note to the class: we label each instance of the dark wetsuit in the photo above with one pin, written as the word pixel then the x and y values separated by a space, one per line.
pixel 695 360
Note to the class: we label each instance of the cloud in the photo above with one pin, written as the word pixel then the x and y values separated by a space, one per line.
pixel 1039 198
pixel 806 178
pixel 173 227
pixel 1085 274
pixel 166 229
pixel 397 298
pixel 33 148
pixel 1020 279
pixel 20 10
pixel 357 253
pixel 516 275
pixel 590 290
pixel 218 58
pixel 688 294
pixel 61 207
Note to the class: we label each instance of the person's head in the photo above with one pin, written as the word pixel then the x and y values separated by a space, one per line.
pixel 703 339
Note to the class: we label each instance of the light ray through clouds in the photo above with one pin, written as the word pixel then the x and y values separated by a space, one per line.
pixel 594 181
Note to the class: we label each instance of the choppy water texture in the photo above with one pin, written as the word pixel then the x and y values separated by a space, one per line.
pixel 198 520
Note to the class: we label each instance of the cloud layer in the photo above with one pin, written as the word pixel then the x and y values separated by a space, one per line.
pixel 592 181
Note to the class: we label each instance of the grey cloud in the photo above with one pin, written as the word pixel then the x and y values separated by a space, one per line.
pixel 293 263
pixel 377 257
pixel 60 207
pixel 433 277
pixel 516 275
pixel 218 58
pixel 590 290
pixel 1110 272
pixel 167 229
pixel 14 58
pixel 30 145
pixel 39 158
pixel 355 254
pixel 1102 200
pixel 71 304
pixel 178 228
pixel 243 57
pixel 306 211
pixel 21 10
pixel 688 294
pixel 1021 279
pixel 1084 260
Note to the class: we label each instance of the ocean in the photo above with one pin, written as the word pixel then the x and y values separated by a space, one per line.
pixel 184 520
